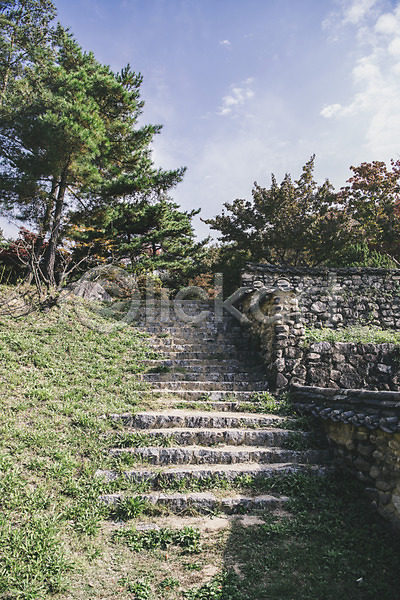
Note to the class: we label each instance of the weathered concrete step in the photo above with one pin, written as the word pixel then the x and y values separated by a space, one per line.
pixel 197 455
pixel 222 406
pixel 183 329
pixel 184 418
pixel 198 365
pixel 211 386
pixel 210 472
pixel 191 436
pixel 201 395
pixel 204 502
pixel 199 338
pixel 203 340
pixel 205 346
pixel 234 354
pixel 206 376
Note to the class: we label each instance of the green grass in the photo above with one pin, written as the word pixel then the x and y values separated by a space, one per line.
pixel 187 538
pixel 360 334
pixel 58 377
pixel 60 373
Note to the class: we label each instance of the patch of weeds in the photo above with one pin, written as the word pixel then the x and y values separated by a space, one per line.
pixel 215 356
pixel 141 440
pixel 187 484
pixel 297 441
pixel 84 421
pixel 159 369
pixel 86 512
pixel 123 460
pixel 267 403
pixel 168 584
pixel 221 587
pixel 141 590
pixel 192 566
pixel 130 508
pixel 187 538
pixel 298 423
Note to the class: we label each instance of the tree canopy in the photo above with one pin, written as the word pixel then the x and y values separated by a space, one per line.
pixel 302 223
pixel 372 203
pixel 69 135
pixel 294 222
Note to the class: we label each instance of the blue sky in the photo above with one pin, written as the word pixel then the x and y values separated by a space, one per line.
pixel 244 88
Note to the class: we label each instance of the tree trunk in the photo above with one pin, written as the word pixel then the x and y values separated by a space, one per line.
pixel 45 225
pixel 50 257
pixel 7 71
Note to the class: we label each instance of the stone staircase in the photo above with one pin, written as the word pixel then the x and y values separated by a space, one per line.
pixel 206 380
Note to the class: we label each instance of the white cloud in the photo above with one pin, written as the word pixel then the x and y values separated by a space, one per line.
pixel 388 23
pixel 376 83
pixel 236 97
pixel 357 10
pixel 394 47
pixel 331 110
pixel 352 12
pixel 225 43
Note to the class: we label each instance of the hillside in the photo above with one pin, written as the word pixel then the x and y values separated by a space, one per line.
pixel 61 372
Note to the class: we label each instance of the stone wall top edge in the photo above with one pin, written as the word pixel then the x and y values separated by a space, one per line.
pixel 375 410
pixel 281 269
pixel 382 394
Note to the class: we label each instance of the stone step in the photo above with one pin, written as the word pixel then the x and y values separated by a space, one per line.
pixel 203 436
pixel 244 406
pixel 204 355
pixel 211 386
pixel 193 340
pixel 197 365
pixel 201 395
pixel 196 337
pixel 207 376
pixel 204 502
pixel 180 330
pixel 187 419
pixel 210 473
pixel 197 455
pixel 205 346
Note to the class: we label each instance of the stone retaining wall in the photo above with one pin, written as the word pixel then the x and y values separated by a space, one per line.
pixel 283 302
pixel 335 297
pixel 364 429
pixel 347 365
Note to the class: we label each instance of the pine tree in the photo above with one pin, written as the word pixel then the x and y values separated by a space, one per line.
pixel 69 137
pixel 26 38
pixel 143 235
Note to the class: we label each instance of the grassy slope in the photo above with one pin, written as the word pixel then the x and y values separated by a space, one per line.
pixel 58 376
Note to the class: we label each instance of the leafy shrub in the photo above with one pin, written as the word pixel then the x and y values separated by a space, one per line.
pixel 360 255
